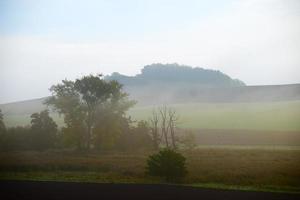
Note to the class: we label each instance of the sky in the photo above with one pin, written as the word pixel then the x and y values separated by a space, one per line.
pixel 43 42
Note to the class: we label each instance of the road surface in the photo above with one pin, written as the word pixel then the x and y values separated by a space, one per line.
pixel 43 190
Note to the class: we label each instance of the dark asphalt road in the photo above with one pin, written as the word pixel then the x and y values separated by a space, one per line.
pixel 85 191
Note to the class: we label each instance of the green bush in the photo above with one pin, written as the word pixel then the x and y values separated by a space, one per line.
pixel 168 164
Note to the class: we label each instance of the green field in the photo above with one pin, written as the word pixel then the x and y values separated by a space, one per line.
pixel 281 116
pixel 242 146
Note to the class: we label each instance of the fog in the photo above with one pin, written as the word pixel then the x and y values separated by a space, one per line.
pixel 159 95
pixel 138 98
pixel 42 43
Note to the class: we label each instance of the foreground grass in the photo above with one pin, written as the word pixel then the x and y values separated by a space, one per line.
pixel 76 176
pixel 247 169
pixel 264 188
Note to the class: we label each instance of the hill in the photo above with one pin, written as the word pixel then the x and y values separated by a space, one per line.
pixel 173 83
pixel 23 107
pixel 161 74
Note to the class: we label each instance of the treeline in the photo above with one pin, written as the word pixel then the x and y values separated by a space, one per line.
pixel 43 134
pixel 94 117
pixel 176 75
pixel 40 135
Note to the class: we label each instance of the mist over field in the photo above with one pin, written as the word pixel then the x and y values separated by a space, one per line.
pixel 220 110
pixel 204 94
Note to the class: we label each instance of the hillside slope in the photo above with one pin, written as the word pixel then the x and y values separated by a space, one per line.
pixel 23 107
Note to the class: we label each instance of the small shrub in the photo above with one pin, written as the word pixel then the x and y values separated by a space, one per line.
pixel 168 164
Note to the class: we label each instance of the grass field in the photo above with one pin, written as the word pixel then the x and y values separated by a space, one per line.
pixel 252 146
pixel 250 116
pixel 279 116
pixel 266 169
pixel 252 138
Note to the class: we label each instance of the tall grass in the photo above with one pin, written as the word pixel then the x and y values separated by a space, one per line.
pixel 245 167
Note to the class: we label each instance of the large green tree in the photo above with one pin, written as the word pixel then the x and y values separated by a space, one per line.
pixel 85 104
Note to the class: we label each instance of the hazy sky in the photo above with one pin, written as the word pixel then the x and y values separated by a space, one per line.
pixel 43 42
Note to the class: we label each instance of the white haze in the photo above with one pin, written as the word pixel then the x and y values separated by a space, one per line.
pixel 256 41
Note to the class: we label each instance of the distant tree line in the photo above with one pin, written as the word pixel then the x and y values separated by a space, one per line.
pixel 40 135
pixel 176 74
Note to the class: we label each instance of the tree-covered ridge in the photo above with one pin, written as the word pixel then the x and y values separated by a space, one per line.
pixel 175 73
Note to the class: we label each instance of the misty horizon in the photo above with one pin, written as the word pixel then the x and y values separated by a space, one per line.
pixel 141 99
pixel 48 93
pixel 42 43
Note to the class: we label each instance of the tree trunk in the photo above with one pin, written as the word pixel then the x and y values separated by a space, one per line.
pixel 172 119
pixel 172 131
pixel 89 130
pixel 165 133
pixel 156 144
pixel 88 137
pixel 164 124
pixel 154 120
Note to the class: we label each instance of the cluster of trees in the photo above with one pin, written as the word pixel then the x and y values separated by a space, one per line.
pixel 94 118
pixel 94 115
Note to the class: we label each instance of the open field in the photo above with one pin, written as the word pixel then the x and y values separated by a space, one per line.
pixel 278 116
pixel 245 138
pixel 252 146
pixel 269 169
pixel 284 116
